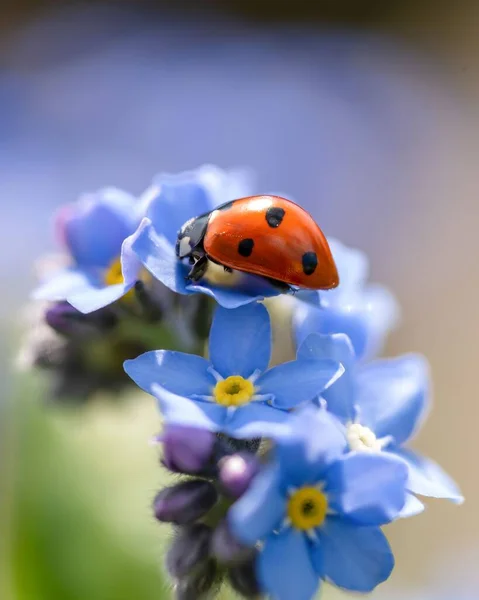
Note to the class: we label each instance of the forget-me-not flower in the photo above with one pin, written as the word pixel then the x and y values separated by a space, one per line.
pixel 381 405
pixel 318 512
pixel 234 391
pixel 97 232
pixel 365 312
pixel 101 230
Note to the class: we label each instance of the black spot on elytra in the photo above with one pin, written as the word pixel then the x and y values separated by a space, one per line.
pixel 274 216
pixel 226 205
pixel 245 247
pixel 310 262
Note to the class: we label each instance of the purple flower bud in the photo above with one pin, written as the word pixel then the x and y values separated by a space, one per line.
pixel 62 317
pixel 68 321
pixel 185 502
pixel 187 449
pixel 243 579
pixel 197 585
pixel 226 548
pixel 189 550
pixel 236 472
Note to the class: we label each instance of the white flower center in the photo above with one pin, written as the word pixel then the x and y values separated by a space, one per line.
pixel 362 439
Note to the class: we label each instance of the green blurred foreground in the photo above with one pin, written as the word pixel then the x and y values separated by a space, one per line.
pixel 77 521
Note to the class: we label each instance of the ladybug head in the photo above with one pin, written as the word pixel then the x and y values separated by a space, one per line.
pixel 190 237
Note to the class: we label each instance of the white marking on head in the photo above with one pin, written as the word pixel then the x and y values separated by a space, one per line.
pixel 185 247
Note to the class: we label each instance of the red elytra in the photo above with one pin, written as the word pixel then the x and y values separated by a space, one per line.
pixel 268 236
pixel 272 237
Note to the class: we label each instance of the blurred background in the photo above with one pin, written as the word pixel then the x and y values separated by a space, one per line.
pixel 364 111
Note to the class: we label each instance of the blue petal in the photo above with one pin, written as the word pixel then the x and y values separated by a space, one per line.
pixel 65 282
pixel 284 567
pixel 393 396
pixel 354 558
pixel 177 410
pixel 84 290
pixel 130 264
pixel 337 347
pixel 240 340
pixel 310 296
pixel 313 439
pixel 95 227
pixel 94 294
pixel 298 381
pixel 365 318
pixel 426 478
pixel 182 374
pixel 353 270
pixel 158 256
pixel 257 420
pixel 412 507
pixel 173 200
pixel 307 319
pixel 381 314
pixel 364 313
pixel 248 289
pixel 224 185
pixel 260 510
pixel 367 489
pixel 93 298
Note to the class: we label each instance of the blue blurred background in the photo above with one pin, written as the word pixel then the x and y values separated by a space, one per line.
pixel 365 112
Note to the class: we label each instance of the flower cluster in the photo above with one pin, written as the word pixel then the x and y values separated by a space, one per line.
pixel 308 505
pixel 288 470
pixel 99 303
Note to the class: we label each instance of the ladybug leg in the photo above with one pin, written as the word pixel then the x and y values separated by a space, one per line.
pixel 227 269
pixel 198 269
pixel 279 285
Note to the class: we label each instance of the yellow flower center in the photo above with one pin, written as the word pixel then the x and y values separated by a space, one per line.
pixel 114 273
pixel 233 391
pixel 307 508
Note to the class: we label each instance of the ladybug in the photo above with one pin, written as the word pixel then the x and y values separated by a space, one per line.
pixel 268 236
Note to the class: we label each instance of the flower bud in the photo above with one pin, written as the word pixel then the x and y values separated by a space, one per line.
pixel 185 502
pixel 243 579
pixel 236 472
pixel 225 445
pixel 197 585
pixel 68 321
pixel 187 449
pixel 226 548
pixel 189 551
